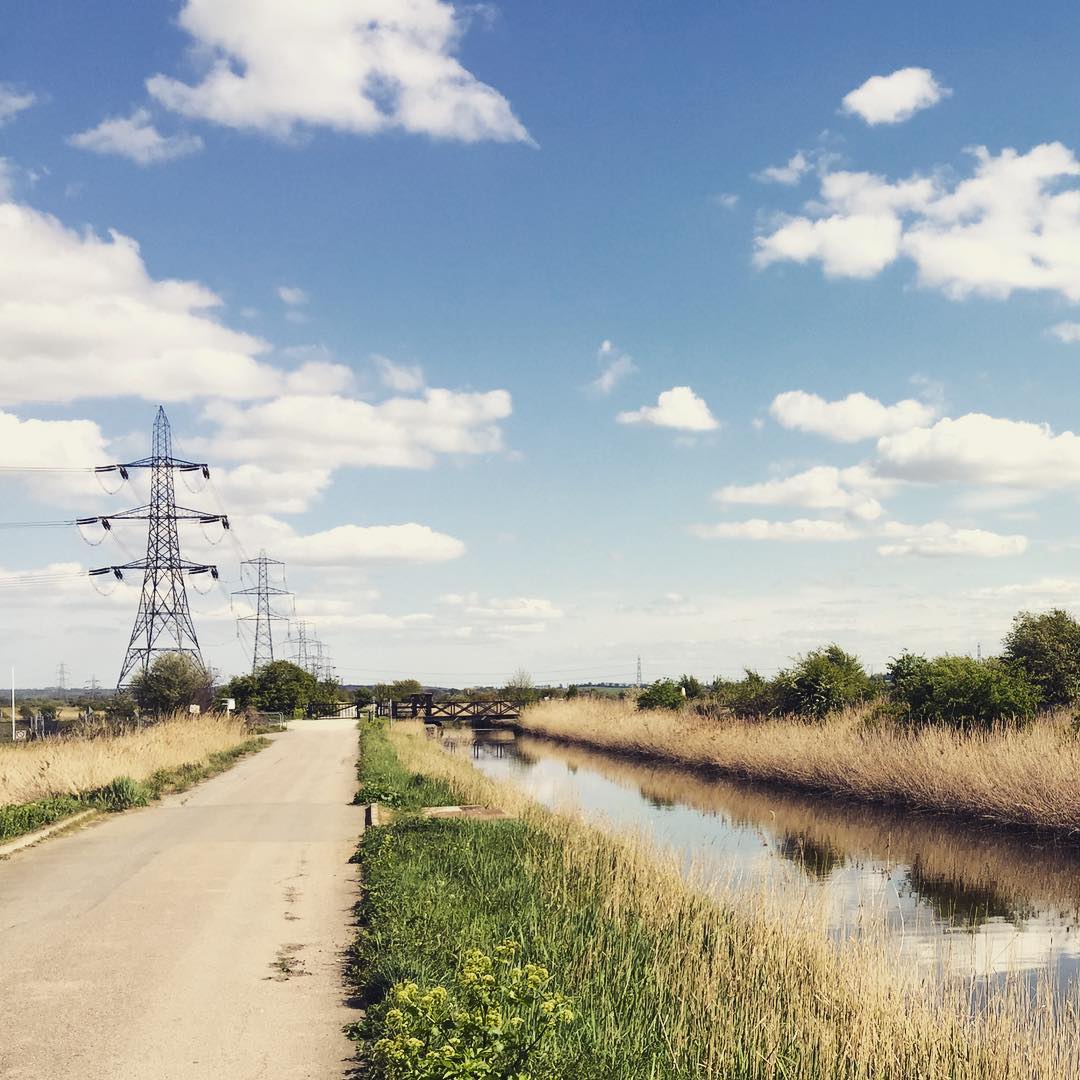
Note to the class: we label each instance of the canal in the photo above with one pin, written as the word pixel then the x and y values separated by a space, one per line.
pixel 951 899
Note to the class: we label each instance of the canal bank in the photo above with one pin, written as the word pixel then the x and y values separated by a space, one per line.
pixel 665 979
pixel 1024 777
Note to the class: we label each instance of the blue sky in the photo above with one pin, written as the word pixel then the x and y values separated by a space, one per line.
pixel 410 238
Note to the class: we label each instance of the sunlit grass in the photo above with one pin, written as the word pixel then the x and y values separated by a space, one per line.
pixel 668 981
pixel 71 766
pixel 1026 777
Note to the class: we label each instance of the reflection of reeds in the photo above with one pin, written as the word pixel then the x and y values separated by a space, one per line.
pixel 1026 777
pixel 953 866
pixel 716 989
pixel 71 766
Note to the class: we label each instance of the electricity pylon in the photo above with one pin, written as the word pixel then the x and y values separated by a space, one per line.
pixel 265 616
pixel 163 623
pixel 308 648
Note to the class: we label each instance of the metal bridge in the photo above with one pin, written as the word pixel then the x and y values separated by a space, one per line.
pixel 425 707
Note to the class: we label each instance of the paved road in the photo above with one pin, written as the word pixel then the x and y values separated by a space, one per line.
pixel 199 938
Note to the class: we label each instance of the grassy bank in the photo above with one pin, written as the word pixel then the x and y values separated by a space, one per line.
pixel 116 771
pixel 1027 777
pixel 664 982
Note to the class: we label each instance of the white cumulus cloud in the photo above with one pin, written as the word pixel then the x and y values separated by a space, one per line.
pixel 53 444
pixel 891 99
pixel 678 408
pixel 980 449
pixel 939 540
pixel 13 102
pixel 823 487
pixel 135 137
pixel 1066 332
pixel 333 431
pixel 360 66
pixel 797 166
pixel 850 419
pixel 80 317
pixel 351 545
pixel 1014 224
pixel 615 366
pixel 401 378
pixel 529 608
pixel 797 531
pixel 292 296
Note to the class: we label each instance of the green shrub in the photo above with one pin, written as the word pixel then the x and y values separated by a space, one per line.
pixel 752 695
pixel 27 817
pixel 960 691
pixel 491 1022
pixel 691 686
pixel 662 694
pixel 1046 648
pixel 121 793
pixel 821 682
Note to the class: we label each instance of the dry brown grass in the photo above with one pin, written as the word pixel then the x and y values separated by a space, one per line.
pixel 1028 777
pixel 71 766
pixel 985 862
pixel 748 995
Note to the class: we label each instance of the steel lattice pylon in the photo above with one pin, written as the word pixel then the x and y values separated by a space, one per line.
pixel 265 616
pixel 163 623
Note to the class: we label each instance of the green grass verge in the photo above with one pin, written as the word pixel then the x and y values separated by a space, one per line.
pixel 434 889
pixel 121 793
pixel 383 779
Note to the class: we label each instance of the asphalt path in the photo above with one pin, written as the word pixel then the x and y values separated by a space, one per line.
pixel 202 937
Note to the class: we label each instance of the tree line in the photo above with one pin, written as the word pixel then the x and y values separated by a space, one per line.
pixel 1038 669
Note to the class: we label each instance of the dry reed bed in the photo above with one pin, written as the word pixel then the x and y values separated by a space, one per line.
pixel 1009 866
pixel 1026 777
pixel 71 766
pixel 747 995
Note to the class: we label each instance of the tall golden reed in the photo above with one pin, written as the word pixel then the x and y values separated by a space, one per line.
pixel 750 995
pixel 70 766
pixel 1027 777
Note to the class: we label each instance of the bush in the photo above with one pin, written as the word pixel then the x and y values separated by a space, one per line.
pixel 821 682
pixel 691 686
pixel 170 684
pixel 121 793
pixel 960 691
pixel 1046 648
pixel 282 687
pixel 491 1022
pixel 662 694
pixel 752 695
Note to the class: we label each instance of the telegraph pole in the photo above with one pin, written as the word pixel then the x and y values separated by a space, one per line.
pixel 265 616
pixel 163 623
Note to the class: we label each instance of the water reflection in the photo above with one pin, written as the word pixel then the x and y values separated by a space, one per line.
pixel 954 898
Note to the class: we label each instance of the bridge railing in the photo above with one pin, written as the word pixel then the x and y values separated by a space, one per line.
pixel 425 707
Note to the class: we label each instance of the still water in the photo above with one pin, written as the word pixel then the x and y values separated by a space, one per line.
pixel 954 899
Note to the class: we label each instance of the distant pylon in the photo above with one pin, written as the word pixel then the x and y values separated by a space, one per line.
pixel 306 648
pixel 163 623
pixel 639 672
pixel 61 678
pixel 265 616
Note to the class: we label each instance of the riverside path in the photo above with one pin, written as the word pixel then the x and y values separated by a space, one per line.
pixel 202 937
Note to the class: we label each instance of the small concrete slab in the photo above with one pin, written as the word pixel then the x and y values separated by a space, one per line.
pixel 377 814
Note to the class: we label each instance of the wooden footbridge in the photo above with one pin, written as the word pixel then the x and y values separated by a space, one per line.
pixel 425 707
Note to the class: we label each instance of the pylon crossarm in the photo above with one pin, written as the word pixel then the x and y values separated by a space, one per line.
pixel 159 463
pixel 145 513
